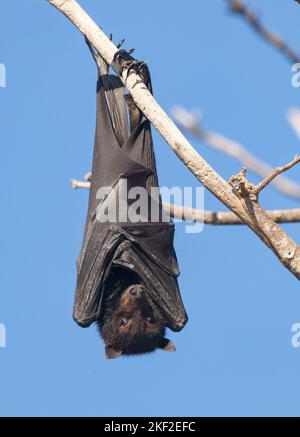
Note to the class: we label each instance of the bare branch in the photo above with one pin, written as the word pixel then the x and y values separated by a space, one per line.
pixel 251 17
pixel 226 218
pixel 210 217
pixel 275 238
pixel 276 172
pixel 249 212
pixel 244 188
pixel 79 184
pixel 191 122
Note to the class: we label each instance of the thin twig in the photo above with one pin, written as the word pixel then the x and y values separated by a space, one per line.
pixel 79 184
pixel 191 122
pixel 209 217
pixel 246 189
pixel 251 17
pixel 277 171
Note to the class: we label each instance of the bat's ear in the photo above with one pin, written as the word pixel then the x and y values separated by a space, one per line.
pixel 167 345
pixel 111 352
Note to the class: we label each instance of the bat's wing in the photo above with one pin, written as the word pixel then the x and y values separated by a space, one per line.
pixel 123 153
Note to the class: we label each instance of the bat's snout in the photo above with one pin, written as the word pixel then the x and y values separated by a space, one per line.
pixel 136 290
pixel 180 323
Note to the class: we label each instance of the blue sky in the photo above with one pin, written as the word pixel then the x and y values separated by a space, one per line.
pixel 235 355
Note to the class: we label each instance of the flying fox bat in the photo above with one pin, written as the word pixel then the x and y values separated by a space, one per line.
pixel 127 268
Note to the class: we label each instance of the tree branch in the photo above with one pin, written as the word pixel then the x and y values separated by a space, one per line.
pixel 240 8
pixel 244 188
pixel 273 234
pixel 276 172
pixel 254 216
pixel 191 122
pixel 210 217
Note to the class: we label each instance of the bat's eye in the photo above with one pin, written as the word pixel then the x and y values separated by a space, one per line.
pixel 124 321
pixel 149 319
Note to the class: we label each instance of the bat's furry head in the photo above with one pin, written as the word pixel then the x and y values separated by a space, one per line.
pixel 131 323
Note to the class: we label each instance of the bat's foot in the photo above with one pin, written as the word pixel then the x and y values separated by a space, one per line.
pixel 132 66
pixel 100 62
pixel 119 45
pixel 126 63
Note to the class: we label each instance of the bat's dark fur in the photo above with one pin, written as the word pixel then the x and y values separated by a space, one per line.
pixel 130 323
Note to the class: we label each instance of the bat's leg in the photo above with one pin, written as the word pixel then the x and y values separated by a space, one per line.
pixel 101 64
pixel 93 52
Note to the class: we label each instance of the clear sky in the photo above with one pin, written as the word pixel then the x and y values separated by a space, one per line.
pixel 235 355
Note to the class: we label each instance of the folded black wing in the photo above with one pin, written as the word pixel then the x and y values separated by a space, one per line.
pixel 123 156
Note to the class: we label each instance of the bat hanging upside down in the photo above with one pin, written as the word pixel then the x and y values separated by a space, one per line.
pixel 127 269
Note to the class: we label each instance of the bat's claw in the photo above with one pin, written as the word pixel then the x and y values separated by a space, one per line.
pixel 119 45
pixel 125 63
pixel 135 66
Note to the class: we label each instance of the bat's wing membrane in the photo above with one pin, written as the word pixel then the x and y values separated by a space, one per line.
pixel 146 246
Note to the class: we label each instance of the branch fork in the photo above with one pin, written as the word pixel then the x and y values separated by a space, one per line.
pixel 245 189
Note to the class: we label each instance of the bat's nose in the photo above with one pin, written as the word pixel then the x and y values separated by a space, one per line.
pixel 136 290
pixel 180 322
